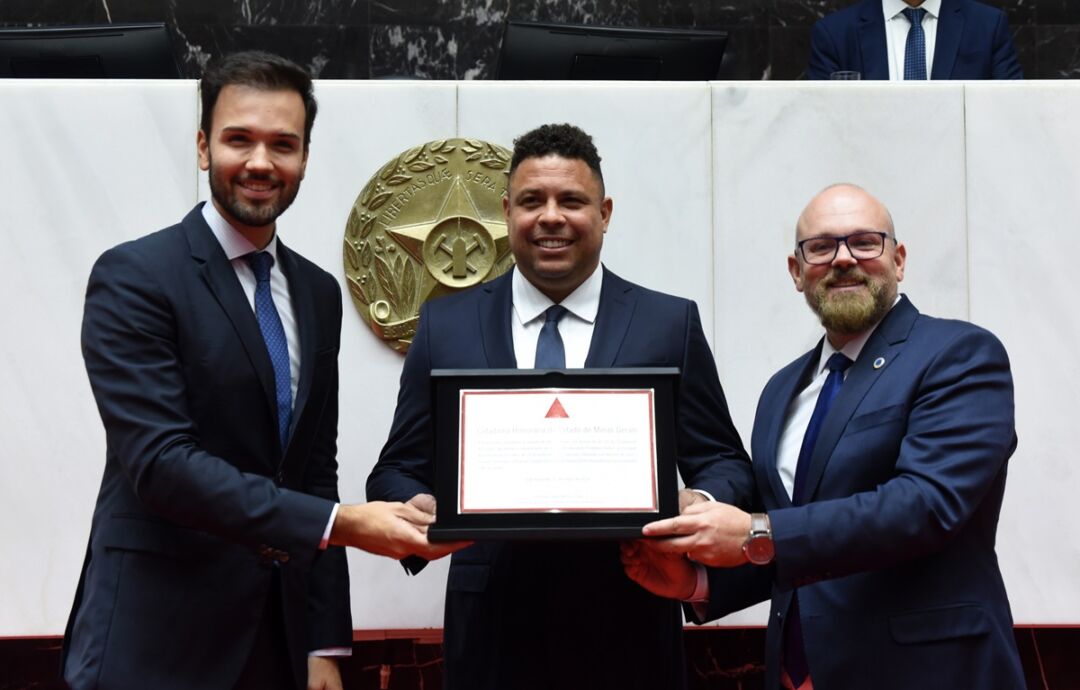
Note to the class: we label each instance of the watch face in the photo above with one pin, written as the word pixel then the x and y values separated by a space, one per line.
pixel 759 550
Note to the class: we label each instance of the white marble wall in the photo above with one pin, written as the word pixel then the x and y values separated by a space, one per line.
pixel 1023 162
pixel 707 182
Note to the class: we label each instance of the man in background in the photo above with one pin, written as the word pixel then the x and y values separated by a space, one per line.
pixel 914 40
pixel 880 458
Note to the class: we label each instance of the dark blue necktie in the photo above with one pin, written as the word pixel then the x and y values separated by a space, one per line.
pixel 550 353
pixel 794 653
pixel 915 48
pixel 274 335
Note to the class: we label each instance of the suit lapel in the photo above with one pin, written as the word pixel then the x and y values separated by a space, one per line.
pixel 872 46
pixel 884 346
pixel 617 302
pixel 493 312
pixel 797 379
pixel 947 44
pixel 303 302
pixel 220 277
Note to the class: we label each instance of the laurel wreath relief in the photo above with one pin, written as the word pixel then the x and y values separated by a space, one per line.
pixel 380 269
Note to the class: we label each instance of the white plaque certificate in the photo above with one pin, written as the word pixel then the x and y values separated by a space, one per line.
pixel 554 450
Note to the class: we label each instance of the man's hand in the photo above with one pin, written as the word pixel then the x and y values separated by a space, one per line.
pixel 712 533
pixel 425 502
pixel 688 497
pixel 664 574
pixel 323 673
pixel 396 530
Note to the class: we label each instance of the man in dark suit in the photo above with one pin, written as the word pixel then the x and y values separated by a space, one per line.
pixel 914 39
pixel 880 457
pixel 212 353
pixel 560 615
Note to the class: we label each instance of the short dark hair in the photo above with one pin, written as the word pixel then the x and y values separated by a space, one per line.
pixel 565 141
pixel 259 70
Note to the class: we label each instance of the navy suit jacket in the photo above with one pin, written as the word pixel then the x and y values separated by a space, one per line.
pixel 973 42
pixel 531 615
pixel 893 555
pixel 199 504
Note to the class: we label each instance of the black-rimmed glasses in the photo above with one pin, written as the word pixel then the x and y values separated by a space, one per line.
pixel 862 246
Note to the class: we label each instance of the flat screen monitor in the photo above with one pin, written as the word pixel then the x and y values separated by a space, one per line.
pixel 105 51
pixel 535 50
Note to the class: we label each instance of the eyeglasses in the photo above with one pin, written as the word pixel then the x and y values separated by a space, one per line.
pixel 861 245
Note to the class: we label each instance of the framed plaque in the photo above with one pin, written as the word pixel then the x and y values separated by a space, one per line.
pixel 541 454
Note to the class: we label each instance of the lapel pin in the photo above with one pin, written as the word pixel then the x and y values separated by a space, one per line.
pixel 879 362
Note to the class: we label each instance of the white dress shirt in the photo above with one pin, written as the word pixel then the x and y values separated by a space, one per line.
pixel 236 247
pixel 896 33
pixel 575 328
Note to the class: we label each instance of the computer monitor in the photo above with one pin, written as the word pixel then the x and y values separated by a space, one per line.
pixel 105 51
pixel 535 50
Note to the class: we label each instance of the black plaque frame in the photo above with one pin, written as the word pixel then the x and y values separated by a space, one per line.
pixel 446 385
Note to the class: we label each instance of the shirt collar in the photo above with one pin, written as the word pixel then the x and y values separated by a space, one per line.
pixel 230 239
pixel 530 303
pixel 893 8
pixel 854 347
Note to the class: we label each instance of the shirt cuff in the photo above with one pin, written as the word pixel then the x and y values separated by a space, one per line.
pixel 326 542
pixel 704 493
pixel 700 595
pixel 331 651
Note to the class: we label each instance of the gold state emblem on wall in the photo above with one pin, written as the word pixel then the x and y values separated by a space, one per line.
pixel 429 223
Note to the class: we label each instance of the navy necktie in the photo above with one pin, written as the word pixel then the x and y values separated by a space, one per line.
pixel 550 353
pixel 915 48
pixel 794 653
pixel 274 335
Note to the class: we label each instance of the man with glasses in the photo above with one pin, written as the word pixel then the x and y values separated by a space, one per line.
pixel 880 459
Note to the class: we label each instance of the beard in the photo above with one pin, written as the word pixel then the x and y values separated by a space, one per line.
pixel 853 312
pixel 255 215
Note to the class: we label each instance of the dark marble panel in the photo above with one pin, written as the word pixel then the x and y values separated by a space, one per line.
pixel 747 53
pixel 789 51
pixel 405 663
pixel 609 12
pixel 702 14
pixel 459 50
pixel 242 12
pixel 802 12
pixel 1021 12
pixel 730 659
pixel 480 12
pixel 328 52
pixel 1058 52
pixel 27 12
pixel 1057 12
pixel 1056 658
pixel 1024 39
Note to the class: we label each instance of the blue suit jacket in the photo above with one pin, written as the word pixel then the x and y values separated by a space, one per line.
pixel 973 42
pixel 198 500
pixel 525 615
pixel 893 555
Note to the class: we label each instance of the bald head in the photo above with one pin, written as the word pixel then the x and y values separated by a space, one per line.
pixel 856 287
pixel 842 205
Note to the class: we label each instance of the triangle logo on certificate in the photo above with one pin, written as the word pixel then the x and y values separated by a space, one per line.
pixel 556 411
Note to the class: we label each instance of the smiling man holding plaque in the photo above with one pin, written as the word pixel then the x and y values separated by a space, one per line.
pixel 546 614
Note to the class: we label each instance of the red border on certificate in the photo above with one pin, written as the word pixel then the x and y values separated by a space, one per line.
pixel 565 392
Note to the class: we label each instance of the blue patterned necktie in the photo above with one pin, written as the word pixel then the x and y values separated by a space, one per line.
pixel 794 653
pixel 915 48
pixel 550 353
pixel 274 335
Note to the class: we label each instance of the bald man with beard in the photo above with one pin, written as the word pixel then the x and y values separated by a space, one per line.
pixel 880 460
